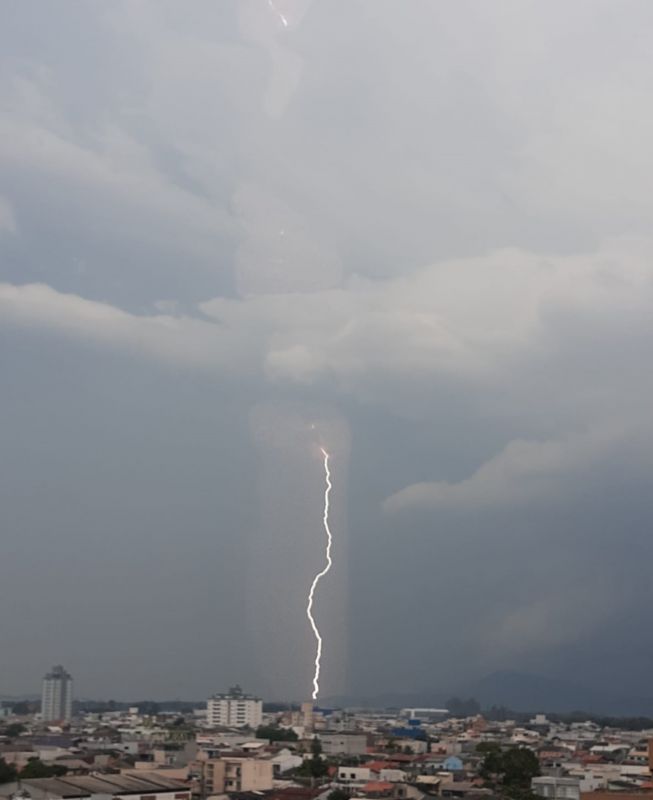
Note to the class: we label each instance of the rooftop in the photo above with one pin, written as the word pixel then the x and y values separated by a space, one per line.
pixel 85 785
pixel 234 693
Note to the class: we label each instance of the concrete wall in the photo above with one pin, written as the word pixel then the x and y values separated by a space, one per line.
pixel 392 775
pixel 256 775
pixel 337 744
pixel 214 775
pixel 354 774
pixel 556 788
pixel 285 761
pixel 222 775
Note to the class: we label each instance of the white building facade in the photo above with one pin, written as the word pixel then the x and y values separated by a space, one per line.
pixel 556 788
pixel 57 695
pixel 234 709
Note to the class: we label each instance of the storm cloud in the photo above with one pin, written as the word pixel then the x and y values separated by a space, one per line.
pixel 424 228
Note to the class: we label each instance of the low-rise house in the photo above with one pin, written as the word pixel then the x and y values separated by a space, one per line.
pixel 17 755
pixel 612 752
pixel 590 778
pixel 416 746
pixel 392 775
pixel 428 784
pixel 354 774
pixel 284 761
pixel 553 787
pixel 385 771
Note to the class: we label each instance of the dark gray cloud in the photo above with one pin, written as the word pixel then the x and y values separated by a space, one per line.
pixel 424 230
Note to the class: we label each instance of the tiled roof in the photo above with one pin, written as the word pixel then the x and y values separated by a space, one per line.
pixel 377 786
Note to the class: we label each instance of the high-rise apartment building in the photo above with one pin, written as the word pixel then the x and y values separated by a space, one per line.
pixel 234 709
pixel 57 696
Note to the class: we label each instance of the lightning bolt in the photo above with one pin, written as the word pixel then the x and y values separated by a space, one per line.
pixel 320 575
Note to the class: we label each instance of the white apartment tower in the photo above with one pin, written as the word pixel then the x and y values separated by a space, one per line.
pixel 235 709
pixel 57 696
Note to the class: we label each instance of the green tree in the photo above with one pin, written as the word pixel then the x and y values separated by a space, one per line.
pixel 318 765
pixel 488 747
pixel 276 734
pixel 519 765
pixel 338 794
pixel 13 730
pixel 7 772
pixel 512 768
pixel 493 760
pixel 35 768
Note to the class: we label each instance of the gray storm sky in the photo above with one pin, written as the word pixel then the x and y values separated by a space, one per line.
pixel 424 227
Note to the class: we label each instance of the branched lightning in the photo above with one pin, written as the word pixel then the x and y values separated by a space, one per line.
pixel 321 574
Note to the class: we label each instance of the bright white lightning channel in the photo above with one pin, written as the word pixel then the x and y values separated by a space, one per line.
pixel 321 574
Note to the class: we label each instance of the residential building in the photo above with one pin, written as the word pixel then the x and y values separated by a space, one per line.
pixel 212 774
pixel 354 774
pixel 307 716
pixel 234 709
pixel 555 788
pixel 248 775
pixel 284 761
pixel 57 695
pixel 235 774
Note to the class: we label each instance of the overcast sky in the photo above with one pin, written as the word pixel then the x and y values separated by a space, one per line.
pixel 424 227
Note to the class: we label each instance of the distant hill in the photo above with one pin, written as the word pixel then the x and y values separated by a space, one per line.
pixel 515 690
pixel 523 692
pixel 423 699
pixel 18 698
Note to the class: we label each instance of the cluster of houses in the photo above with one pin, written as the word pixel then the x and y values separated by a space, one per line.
pixel 371 755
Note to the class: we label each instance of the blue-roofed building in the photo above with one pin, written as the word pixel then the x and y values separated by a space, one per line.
pixel 452 764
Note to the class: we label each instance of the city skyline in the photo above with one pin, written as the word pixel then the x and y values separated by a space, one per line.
pixel 311 753
pixel 517 692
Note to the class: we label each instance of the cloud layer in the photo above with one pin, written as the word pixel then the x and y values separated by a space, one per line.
pixel 432 226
